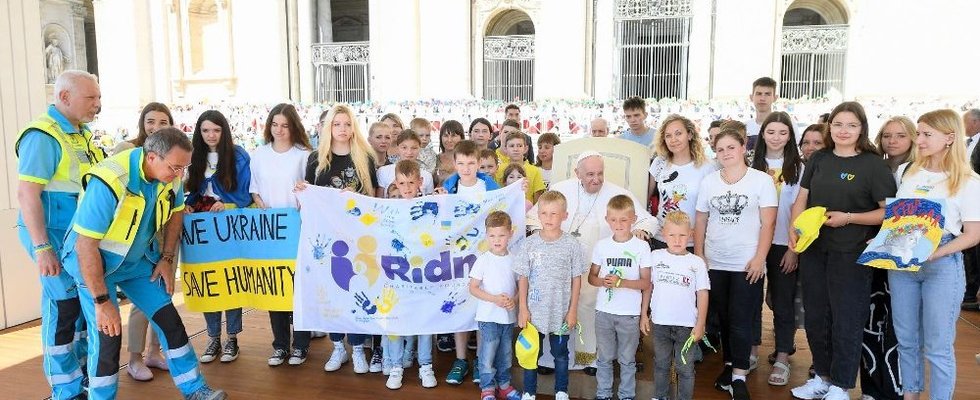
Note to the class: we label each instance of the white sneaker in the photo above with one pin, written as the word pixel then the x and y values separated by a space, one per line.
pixel 337 359
pixel 428 376
pixel 395 378
pixel 561 396
pixel 813 389
pixel 527 396
pixel 836 393
pixel 385 368
pixel 360 360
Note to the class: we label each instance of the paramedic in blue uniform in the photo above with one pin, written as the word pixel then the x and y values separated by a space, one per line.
pixel 128 200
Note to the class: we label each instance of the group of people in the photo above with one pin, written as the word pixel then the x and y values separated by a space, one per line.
pixel 598 269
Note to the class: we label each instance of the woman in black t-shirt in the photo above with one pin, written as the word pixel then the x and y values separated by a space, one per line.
pixel 343 160
pixel 852 181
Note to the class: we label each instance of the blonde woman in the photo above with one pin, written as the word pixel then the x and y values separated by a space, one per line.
pixel 343 161
pixel 880 375
pixel 895 141
pixel 676 171
pixel 926 303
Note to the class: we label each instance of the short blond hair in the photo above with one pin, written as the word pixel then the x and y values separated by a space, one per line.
pixel 621 202
pixel 553 196
pixel 677 217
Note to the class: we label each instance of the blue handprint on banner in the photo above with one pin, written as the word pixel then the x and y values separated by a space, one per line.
pixel 422 209
pixel 361 299
pixel 464 209
pixel 450 304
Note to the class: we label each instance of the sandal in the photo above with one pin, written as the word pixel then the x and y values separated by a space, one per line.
pixel 777 378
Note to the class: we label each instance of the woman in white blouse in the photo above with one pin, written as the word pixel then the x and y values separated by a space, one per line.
pixel 926 303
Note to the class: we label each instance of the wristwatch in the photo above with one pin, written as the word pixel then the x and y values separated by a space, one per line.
pixel 101 298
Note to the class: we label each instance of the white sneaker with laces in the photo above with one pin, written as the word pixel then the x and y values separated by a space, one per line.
pixel 360 360
pixel 395 378
pixel 561 396
pixel 337 359
pixel 428 376
pixel 836 393
pixel 813 389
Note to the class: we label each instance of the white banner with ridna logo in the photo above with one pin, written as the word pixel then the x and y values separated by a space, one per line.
pixel 397 267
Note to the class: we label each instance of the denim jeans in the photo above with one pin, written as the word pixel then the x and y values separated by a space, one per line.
pixel 925 307
pixel 617 337
pixel 393 349
pixel 559 350
pixel 354 339
pixel 233 317
pixel 837 298
pixel 496 353
pixel 668 344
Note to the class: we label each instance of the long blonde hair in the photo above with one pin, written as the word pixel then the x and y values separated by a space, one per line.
pixel 694 144
pixel 954 160
pixel 358 148
pixel 909 127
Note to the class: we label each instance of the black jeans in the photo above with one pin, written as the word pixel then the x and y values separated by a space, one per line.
pixel 972 265
pixel 837 299
pixel 781 292
pixel 281 322
pixel 735 301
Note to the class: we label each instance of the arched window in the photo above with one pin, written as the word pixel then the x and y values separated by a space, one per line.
pixel 652 39
pixel 508 57
pixel 814 49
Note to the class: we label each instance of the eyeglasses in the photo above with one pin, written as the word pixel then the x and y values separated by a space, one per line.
pixel 176 170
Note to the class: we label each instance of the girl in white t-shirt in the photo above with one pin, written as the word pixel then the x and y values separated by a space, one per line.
pixel 677 171
pixel 926 303
pixel 776 155
pixel 736 216
pixel 276 167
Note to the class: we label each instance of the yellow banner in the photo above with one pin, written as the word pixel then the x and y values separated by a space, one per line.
pixel 234 283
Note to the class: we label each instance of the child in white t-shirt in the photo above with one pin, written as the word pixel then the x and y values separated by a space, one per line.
pixel 678 308
pixel 494 283
pixel 408 182
pixel 621 267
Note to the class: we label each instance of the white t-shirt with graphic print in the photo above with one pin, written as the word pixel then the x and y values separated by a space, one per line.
pixel 734 221
pixel 677 188
pixel 625 260
pixel 676 282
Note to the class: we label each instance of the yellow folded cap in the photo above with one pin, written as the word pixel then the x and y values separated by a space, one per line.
pixel 808 225
pixel 526 347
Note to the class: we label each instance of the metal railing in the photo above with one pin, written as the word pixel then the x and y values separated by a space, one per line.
pixel 341 72
pixel 813 60
pixel 508 68
pixel 652 40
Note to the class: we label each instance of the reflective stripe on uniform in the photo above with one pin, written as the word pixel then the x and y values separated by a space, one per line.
pixel 102 381
pixel 179 352
pixel 61 379
pixel 186 377
pixel 58 350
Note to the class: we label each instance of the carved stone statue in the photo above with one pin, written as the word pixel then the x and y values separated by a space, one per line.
pixel 55 59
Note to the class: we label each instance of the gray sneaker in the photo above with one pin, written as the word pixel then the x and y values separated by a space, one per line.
pixel 206 393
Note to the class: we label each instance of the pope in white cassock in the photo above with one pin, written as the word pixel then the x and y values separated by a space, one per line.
pixel 587 195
